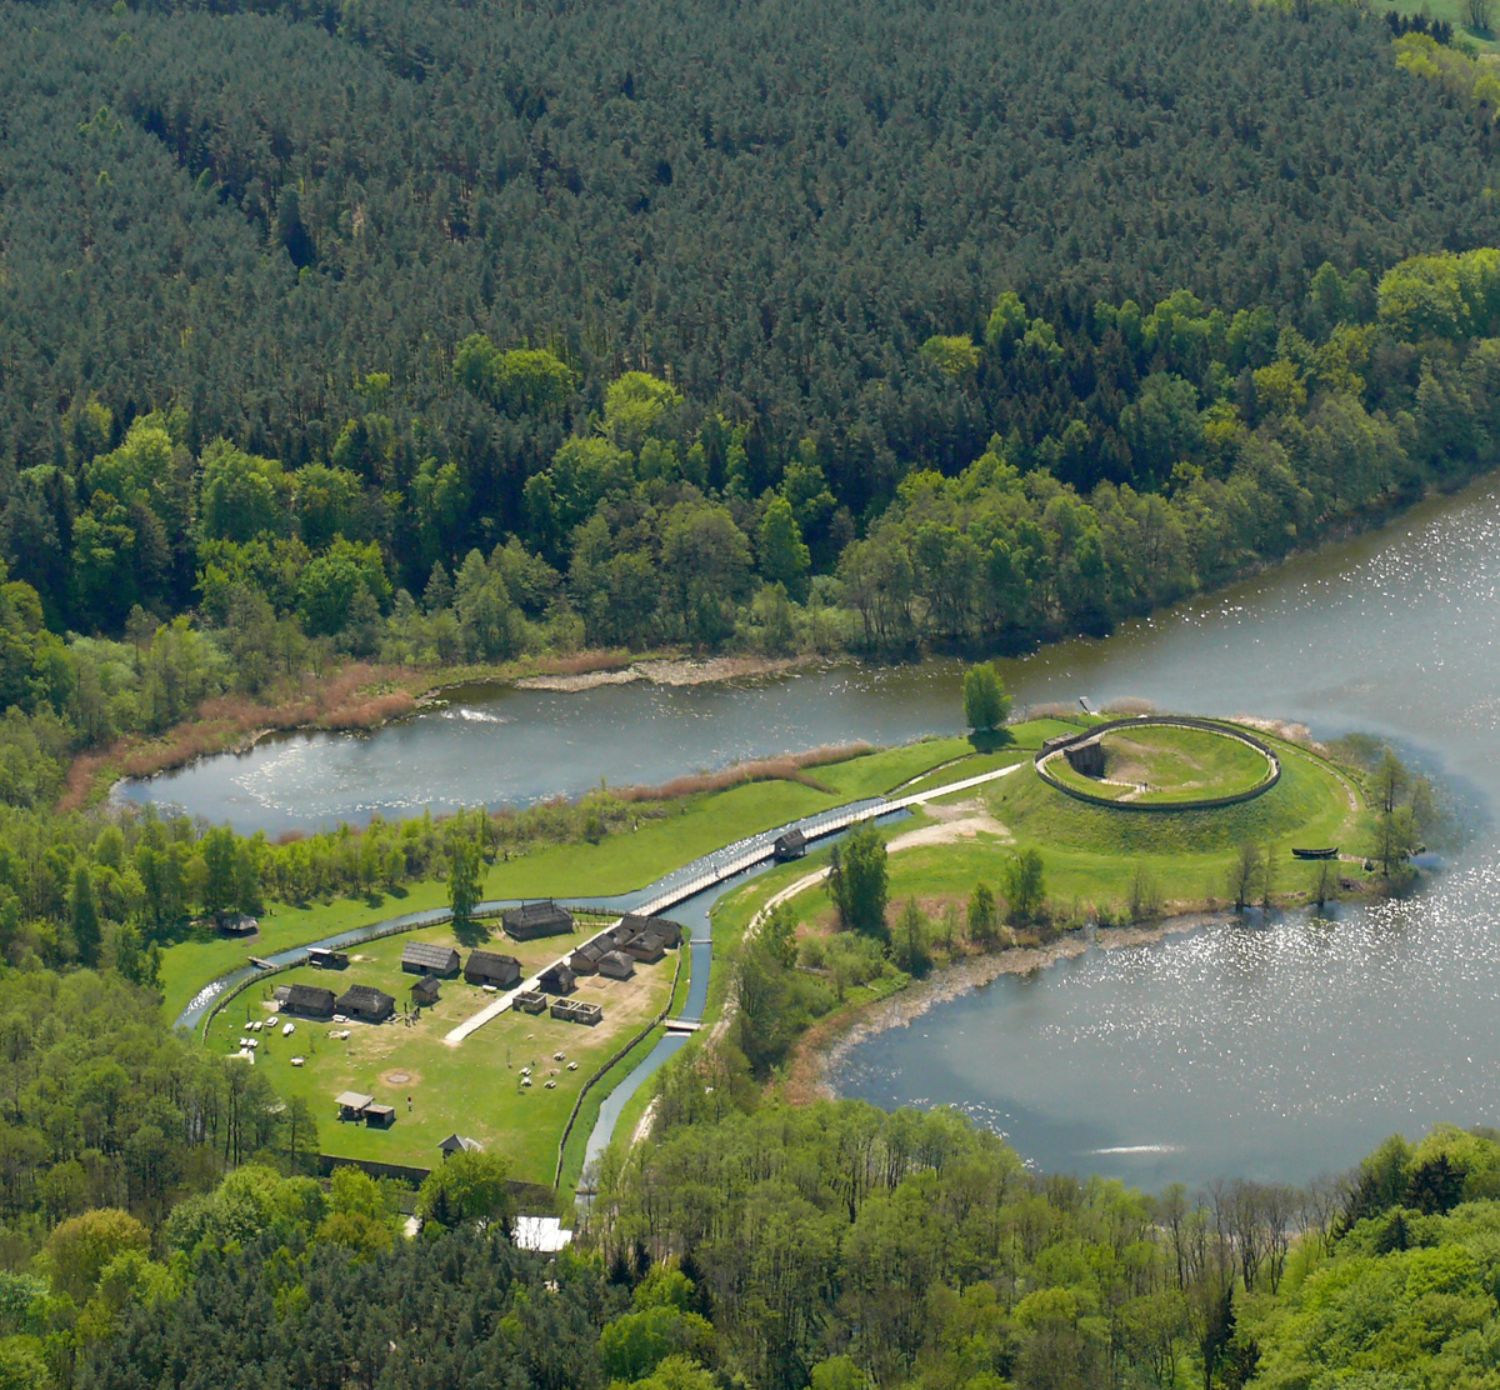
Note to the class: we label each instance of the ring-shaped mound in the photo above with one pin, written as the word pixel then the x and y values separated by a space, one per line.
pixel 1160 763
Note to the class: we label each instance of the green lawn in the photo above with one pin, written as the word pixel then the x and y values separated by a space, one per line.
pixel 1174 764
pixel 694 826
pixel 474 1088
pixel 1456 12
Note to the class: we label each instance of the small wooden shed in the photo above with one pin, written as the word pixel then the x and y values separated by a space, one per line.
pixel 790 844
pixel 324 959
pixel 425 991
pixel 616 965
pixel 492 968
pixel 353 1104
pixel 557 979
pixel 380 1116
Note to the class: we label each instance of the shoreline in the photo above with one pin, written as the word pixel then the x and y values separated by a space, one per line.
pixel 825 1045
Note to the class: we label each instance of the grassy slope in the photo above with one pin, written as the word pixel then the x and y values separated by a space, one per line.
pixel 1177 764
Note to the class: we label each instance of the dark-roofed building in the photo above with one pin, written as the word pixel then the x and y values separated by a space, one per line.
pixel 325 959
pixel 531 920
pixel 792 844
pixel 585 960
pixel 557 979
pixel 428 958
pixel 425 991
pixel 646 948
pixel 311 1001
pixel 492 968
pixel 367 1003
pixel 616 965
pixel 460 1144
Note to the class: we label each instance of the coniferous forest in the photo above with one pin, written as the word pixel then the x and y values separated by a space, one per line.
pixel 446 333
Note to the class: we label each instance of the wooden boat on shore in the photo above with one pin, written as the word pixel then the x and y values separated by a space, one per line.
pixel 1332 853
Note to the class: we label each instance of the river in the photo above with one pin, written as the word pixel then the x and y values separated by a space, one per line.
pixel 1271 1051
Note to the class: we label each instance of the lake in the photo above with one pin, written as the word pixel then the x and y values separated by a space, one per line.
pixel 1271 1051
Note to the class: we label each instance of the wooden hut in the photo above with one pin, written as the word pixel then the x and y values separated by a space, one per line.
pixel 380 1116
pixel 616 965
pixel 791 844
pixel 353 1104
pixel 324 959
pixel 311 1001
pixel 669 931
pixel 533 920
pixel 492 968
pixel 585 960
pixel 425 991
pixel 428 958
pixel 366 1003
pixel 557 979
pixel 646 948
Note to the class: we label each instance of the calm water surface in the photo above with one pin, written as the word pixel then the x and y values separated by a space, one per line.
pixel 1274 1051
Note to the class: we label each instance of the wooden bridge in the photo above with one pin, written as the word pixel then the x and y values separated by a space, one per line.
pixel 763 849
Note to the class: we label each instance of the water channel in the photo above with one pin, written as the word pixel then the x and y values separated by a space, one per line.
pixel 1270 1050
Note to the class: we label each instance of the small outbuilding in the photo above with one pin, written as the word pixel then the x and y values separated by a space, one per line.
pixel 585 960
pixel 533 920
pixel 380 1116
pixel 353 1104
pixel 324 959
pixel 531 1001
pixel 646 948
pixel 790 844
pixel 557 979
pixel 311 1001
pixel 428 958
pixel 237 924
pixel 616 966
pixel 492 968
pixel 460 1144
pixel 366 1003
pixel 425 991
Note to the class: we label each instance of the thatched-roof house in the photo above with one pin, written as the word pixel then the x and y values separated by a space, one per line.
pixel 585 960
pixel 311 1001
pixel 557 979
pixel 428 958
pixel 425 991
pixel 492 968
pixel 367 1003
pixel 532 920
pixel 646 948
pixel 616 965
pixel 791 844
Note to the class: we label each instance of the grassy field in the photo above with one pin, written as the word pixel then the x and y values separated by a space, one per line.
pixel 1456 12
pixel 473 1089
pixel 1172 764
pixel 694 826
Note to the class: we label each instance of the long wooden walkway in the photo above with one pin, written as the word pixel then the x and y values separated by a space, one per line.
pixel 815 828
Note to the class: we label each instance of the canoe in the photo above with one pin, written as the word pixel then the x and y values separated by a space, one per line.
pixel 1315 853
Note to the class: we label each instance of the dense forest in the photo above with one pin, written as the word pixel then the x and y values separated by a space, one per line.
pixel 439 334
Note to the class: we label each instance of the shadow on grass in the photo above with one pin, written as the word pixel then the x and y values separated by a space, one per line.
pixel 991 740
pixel 471 932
